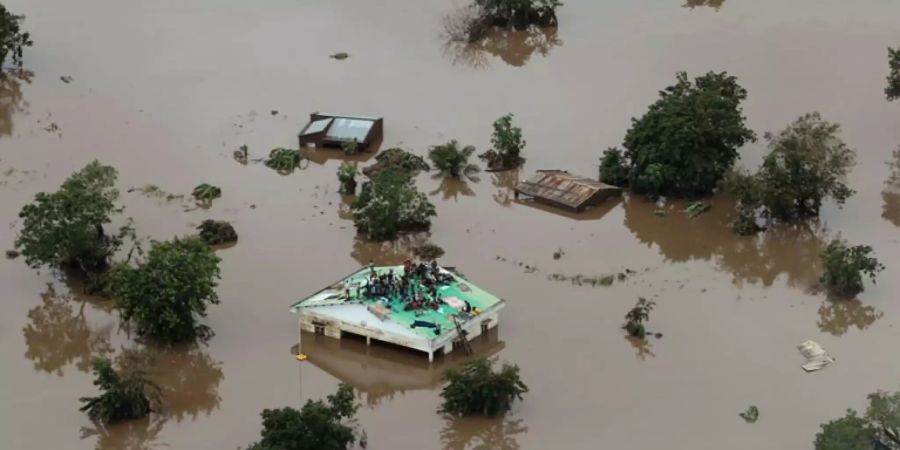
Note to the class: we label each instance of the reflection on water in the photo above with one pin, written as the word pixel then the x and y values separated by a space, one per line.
pixel 504 181
pixel 321 156
pixel 594 213
pixel 642 347
pixel 452 188
pixel 891 193
pixel 387 252
pixel 789 250
pixel 58 334
pixel 715 4
pixel 139 434
pixel 11 99
pixel 512 46
pixel 477 433
pixel 382 370
pixel 837 316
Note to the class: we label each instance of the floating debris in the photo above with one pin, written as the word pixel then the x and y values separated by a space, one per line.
pixel 558 253
pixel 274 112
pixel 592 280
pixel 12 254
pixel 428 252
pixel 697 208
pixel 242 154
pixel 751 415
pixel 153 191
pixel 66 79
pixel 340 56
pixel 816 356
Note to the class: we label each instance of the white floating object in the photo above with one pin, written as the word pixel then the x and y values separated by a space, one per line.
pixel 816 356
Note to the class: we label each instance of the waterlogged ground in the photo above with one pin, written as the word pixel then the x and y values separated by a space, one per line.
pixel 165 91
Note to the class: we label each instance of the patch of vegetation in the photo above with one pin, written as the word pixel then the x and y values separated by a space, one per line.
pixel 125 395
pixel 472 23
pixel 340 56
pixel 283 160
pixel 592 280
pixel 845 267
pixel 807 163
pixel 154 191
pixel 452 161
pixel 878 429
pixel 508 144
pixel 751 415
pixel 12 39
pixel 614 167
pixel 350 147
pixel 635 318
pixel 697 208
pixel 398 161
pixel 215 232
pixel 476 389
pixel 390 204
pixel 688 139
pixel 428 252
pixel 64 230
pixel 164 294
pixel 347 176
pixel 892 91
pixel 242 154
pixel 319 425
pixel 205 193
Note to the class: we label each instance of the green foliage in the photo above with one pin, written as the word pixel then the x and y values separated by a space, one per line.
pixel 850 432
pixel 508 142
pixel 398 161
pixel 283 160
pixel 614 167
pixel 124 396
pixel 892 91
pixel 317 426
pixel 635 318
pixel 205 193
pixel 391 204
pixel 347 176
pixel 697 208
pixel 215 232
pixel 428 252
pixel 751 415
pixel 12 39
pixel 520 13
pixel 845 266
pixel 350 147
pixel 688 139
pixel 452 161
pixel 64 229
pixel 476 389
pixel 164 294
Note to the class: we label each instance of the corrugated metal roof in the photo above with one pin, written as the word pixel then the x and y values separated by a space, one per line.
pixel 561 187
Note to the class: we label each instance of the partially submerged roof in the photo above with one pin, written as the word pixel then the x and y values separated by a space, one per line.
pixel 563 189
pixel 333 130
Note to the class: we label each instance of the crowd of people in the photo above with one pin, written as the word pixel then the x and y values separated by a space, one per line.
pixel 416 285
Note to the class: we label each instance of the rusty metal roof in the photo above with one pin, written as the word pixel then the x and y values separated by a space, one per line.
pixel 562 187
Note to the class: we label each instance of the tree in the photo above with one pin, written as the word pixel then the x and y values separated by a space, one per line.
pixel 892 91
pixel 850 432
pixel 283 160
pixel 508 144
pixel 347 176
pixel 519 13
pixel 164 294
pixel 317 426
pixel 64 229
pixel 12 39
pixel 125 395
pixel 635 318
pixel 476 389
pixel 452 161
pixel 688 139
pixel 845 266
pixel 613 167
pixel 391 204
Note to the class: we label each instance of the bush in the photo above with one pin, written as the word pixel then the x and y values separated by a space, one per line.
pixel 317 426
pixel 452 161
pixel 347 176
pixel 428 252
pixel 508 144
pixel 64 229
pixel 845 266
pixel 614 167
pixel 688 139
pixel 892 91
pixel 164 294
pixel 205 193
pixel 283 160
pixel 635 318
pixel 124 396
pixel 850 432
pixel 12 39
pixel 215 232
pixel 519 13
pixel 475 389
pixel 398 161
pixel 391 204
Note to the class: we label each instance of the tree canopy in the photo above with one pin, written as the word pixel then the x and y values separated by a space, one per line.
pixel 508 145
pixel 64 229
pixel 390 204
pixel 878 429
pixel 892 91
pixel 845 266
pixel 165 293
pixel 125 395
pixel 451 160
pixel 12 39
pixel 476 389
pixel 319 425
pixel 688 139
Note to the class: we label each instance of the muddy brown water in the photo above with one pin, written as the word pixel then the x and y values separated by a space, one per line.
pixel 166 91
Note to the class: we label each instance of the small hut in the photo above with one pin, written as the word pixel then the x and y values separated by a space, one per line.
pixel 327 130
pixel 564 190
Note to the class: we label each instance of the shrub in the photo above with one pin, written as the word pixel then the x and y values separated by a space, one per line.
pixel 892 91
pixel 347 176
pixel 350 147
pixel 124 396
pixel 398 161
pixel 452 161
pixel 508 144
pixel 391 204
pixel 845 266
pixel 476 389
pixel 283 160
pixel 215 232
pixel 635 318
pixel 613 167
pixel 850 432
pixel 205 193
pixel 12 39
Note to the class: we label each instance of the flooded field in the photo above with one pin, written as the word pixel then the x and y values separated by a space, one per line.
pixel 165 91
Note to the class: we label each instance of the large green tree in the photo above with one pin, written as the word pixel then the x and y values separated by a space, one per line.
pixel 125 395
pixel 689 138
pixel 391 204
pixel 65 229
pixel 12 39
pixel 319 425
pixel 476 389
pixel 845 267
pixel 878 429
pixel 166 293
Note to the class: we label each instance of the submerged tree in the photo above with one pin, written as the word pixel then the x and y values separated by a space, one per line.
pixel 476 389
pixel 390 204
pixel 892 91
pixel 125 395
pixel 878 429
pixel 613 167
pixel 347 176
pixel 508 144
pixel 64 229
pixel 12 39
pixel 205 193
pixel 688 139
pixel 398 161
pixel 520 13
pixel 845 267
pixel 283 160
pixel 452 161
pixel 166 293
pixel 635 318
pixel 319 425
pixel 215 232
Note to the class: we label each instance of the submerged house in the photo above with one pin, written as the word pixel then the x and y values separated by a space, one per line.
pixel 564 190
pixel 327 130
pixel 410 317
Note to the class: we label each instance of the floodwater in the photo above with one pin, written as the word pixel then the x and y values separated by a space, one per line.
pixel 165 91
